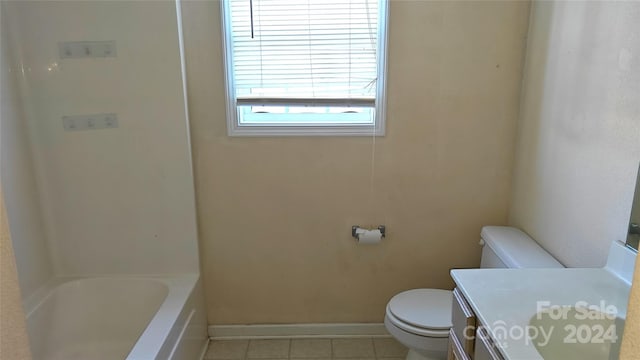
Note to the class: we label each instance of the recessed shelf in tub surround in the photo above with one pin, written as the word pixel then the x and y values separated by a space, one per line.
pixel 90 122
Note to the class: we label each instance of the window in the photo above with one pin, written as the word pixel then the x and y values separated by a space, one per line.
pixel 305 67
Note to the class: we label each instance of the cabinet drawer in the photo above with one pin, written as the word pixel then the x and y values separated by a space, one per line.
pixel 485 349
pixel 463 322
pixel 456 352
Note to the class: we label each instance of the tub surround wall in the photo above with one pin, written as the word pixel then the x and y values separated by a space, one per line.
pixel 275 214
pixel 578 149
pixel 116 201
pixel 18 173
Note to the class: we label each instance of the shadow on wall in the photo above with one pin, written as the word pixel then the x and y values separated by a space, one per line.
pixel 578 146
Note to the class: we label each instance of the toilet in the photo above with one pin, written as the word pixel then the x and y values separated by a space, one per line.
pixel 420 319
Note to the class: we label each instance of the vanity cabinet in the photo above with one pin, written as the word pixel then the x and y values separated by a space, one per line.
pixel 485 349
pixel 463 322
pixel 456 352
pixel 468 340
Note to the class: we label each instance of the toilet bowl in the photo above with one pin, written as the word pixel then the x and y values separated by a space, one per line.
pixel 420 319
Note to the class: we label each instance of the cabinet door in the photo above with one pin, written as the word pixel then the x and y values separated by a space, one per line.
pixel 485 349
pixel 456 352
pixel 464 322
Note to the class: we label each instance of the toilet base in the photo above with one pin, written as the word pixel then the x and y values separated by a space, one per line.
pixel 420 347
pixel 414 355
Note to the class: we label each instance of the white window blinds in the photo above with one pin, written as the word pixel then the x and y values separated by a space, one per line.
pixel 304 57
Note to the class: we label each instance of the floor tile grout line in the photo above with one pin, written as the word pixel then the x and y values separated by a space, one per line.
pixel 331 343
pixel 246 350
pixel 373 346
pixel 288 355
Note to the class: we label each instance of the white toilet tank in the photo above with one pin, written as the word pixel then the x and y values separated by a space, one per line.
pixel 508 247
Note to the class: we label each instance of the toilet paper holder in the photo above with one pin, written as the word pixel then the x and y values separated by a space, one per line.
pixel 354 228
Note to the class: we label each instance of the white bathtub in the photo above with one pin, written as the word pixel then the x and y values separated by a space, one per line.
pixel 133 318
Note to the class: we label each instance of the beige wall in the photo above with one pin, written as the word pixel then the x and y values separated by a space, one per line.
pixel 117 200
pixel 18 174
pixel 635 209
pixel 578 147
pixel 14 342
pixel 275 214
pixel 631 337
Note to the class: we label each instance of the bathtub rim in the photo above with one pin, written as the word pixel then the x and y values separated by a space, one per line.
pixel 180 289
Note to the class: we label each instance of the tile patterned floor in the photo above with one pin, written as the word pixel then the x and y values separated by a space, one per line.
pixel 306 349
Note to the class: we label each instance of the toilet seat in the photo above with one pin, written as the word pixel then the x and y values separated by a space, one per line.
pixel 424 312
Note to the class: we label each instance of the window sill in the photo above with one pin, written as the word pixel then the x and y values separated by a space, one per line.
pixel 254 131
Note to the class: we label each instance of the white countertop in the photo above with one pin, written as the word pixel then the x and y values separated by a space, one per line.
pixel 505 299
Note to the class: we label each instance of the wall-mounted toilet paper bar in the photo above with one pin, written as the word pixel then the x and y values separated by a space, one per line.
pixel 355 228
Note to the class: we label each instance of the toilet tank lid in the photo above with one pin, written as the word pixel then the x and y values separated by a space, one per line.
pixel 516 249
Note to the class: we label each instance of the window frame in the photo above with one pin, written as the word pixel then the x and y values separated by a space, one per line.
pixel 234 128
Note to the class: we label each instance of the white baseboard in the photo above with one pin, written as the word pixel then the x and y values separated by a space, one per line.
pixel 228 332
